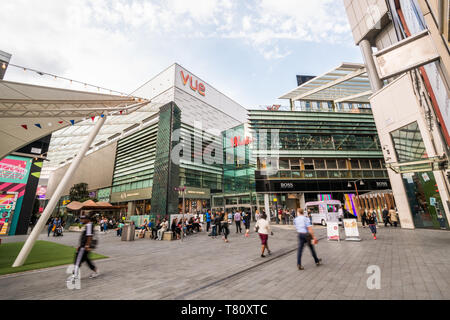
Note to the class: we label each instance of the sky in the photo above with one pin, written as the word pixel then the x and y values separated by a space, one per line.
pixel 249 50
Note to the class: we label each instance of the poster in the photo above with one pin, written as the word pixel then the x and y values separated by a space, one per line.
pixel 14 172
pixel 7 206
pixel 333 231
pixel 351 228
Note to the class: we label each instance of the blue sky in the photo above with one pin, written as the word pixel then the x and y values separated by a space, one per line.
pixel 249 50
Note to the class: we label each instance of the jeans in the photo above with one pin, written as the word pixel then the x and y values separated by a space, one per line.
pixel 208 224
pixel 238 227
pixel 301 244
pixel 214 231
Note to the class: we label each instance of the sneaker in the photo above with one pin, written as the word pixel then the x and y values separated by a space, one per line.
pixel 319 263
pixel 374 237
pixel 270 252
pixel 263 256
pixel 94 275
pixel 300 267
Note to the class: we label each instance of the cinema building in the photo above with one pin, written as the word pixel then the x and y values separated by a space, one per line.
pixel 130 164
pixel 323 146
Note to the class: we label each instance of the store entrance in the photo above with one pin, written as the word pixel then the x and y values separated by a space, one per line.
pixel 424 200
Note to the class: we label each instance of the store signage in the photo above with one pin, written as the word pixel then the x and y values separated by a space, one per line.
pixel 236 141
pixel 284 185
pixel 382 184
pixel 333 231
pixel 198 87
pixel 351 229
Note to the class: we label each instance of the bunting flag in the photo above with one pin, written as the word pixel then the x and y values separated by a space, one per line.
pixel 39 164
pixel 102 115
pixel 72 122
pixel 24 126
pixel 36 174
pixel 60 122
pixel 93 118
pixel 38 125
pixel 121 112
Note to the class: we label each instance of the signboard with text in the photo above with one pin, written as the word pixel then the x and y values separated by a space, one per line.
pixel 333 231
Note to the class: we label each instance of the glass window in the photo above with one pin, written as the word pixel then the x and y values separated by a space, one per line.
pixel 408 143
pixel 319 164
pixel 368 174
pixel 284 164
pixel 342 164
pixel 296 174
pixel 321 174
pixel 376 164
pixel 354 164
pixel 365 163
pixel 331 164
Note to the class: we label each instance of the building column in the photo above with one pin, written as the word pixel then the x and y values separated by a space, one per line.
pixel 302 201
pixel 292 104
pixel 266 204
pixel 366 50
pixel 29 243
pixel 131 209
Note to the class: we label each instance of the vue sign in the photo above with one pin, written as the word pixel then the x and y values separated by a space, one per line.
pixel 199 87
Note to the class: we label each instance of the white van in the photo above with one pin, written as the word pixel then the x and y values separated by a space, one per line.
pixel 323 211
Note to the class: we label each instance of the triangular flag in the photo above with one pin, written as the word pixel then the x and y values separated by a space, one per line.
pixel 38 125
pixel 72 122
pixel 102 115
pixel 93 118
pixel 39 164
pixel 36 174
pixel 60 122
pixel 121 111
pixel 24 126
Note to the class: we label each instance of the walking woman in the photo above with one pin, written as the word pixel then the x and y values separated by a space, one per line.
pixel 263 228
pixel 371 221
pixel 225 229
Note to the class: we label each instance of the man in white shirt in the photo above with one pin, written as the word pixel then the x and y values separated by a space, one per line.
pixel 164 227
pixel 305 235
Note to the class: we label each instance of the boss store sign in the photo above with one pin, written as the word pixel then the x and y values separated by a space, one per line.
pixel 319 186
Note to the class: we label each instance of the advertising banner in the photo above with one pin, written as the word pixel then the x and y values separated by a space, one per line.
pixel 7 206
pixel 14 173
pixel 351 229
pixel 333 231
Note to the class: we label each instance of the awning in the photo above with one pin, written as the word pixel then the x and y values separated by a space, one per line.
pixel 29 112
pixel 347 83
pixel 91 205
pixel 430 164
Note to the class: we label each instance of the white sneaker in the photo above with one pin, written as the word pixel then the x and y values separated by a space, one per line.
pixel 94 275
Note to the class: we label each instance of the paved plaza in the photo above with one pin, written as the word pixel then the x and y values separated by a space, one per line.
pixel 414 264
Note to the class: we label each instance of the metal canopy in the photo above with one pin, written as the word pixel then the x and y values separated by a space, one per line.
pixel 29 112
pixel 347 83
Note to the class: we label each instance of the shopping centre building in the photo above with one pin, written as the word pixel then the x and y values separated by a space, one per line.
pixel 409 74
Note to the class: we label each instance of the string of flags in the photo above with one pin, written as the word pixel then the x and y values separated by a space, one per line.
pixel 72 122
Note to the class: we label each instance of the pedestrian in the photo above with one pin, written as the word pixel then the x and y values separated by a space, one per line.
pixel 392 215
pixel 119 229
pixel 219 222
pixel 371 221
pixel 56 225
pixel 247 219
pixel 237 221
pixel 208 220
pixel 257 215
pixel 364 218
pixel 305 236
pixel 386 217
pixel 225 229
pixel 262 226
pixel 214 218
pixel 164 227
pixel 50 227
pixel 87 243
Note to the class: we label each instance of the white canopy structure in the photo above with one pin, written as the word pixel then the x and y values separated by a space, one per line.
pixel 347 83
pixel 29 112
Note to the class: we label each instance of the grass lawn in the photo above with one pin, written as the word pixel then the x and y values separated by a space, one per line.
pixel 43 255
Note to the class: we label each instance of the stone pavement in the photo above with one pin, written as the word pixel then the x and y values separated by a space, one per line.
pixel 414 264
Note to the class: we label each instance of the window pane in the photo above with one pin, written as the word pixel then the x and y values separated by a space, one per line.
pixel 354 164
pixel 342 164
pixel 365 163
pixel 331 164
pixel 376 164
pixel 319 164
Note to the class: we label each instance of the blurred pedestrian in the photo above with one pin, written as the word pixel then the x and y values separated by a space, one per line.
pixel 262 226
pixel 305 236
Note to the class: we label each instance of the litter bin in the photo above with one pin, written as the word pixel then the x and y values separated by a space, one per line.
pixel 128 232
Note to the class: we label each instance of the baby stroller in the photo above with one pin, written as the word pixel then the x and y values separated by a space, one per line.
pixel 58 231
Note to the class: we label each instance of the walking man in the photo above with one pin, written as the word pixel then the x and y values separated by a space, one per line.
pixel 237 220
pixel 208 220
pixel 386 217
pixel 86 244
pixel 305 236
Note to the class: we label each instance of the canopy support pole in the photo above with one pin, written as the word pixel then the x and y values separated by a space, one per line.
pixel 29 243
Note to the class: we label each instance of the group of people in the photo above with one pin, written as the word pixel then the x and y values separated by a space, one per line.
pixel 220 222
pixel 285 216
pixel 370 218
pixel 55 225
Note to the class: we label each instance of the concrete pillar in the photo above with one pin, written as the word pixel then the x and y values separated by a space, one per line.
pixel 302 201
pixel 266 204
pixel 131 209
pixel 366 50
pixel 29 243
